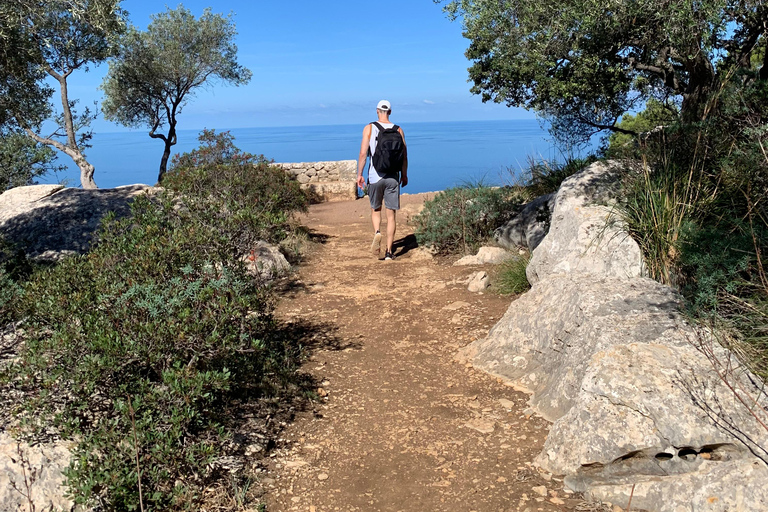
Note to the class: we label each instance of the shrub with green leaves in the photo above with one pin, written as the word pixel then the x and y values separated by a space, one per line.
pixel 150 327
pixel 459 220
pixel 700 215
pixel 22 160
pixel 243 194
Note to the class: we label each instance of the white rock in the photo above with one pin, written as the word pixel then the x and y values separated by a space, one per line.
pixel 478 282
pixel 487 255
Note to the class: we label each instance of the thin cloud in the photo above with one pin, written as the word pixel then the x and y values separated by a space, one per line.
pixel 429 102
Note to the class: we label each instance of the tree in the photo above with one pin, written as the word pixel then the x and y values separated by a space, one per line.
pixel 156 72
pixel 53 39
pixel 584 63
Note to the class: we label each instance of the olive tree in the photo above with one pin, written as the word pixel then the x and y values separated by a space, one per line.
pixel 157 71
pixel 51 40
pixel 585 63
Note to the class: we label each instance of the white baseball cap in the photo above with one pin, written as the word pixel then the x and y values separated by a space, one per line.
pixel 384 105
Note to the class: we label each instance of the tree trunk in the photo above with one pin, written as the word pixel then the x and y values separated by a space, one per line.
pixel 170 141
pixel 86 173
pixel 164 160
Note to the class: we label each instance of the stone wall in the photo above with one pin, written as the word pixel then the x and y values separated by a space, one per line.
pixel 326 181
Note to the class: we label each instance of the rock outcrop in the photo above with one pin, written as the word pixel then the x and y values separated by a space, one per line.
pixel 607 356
pixel 528 228
pixel 51 221
pixel 32 475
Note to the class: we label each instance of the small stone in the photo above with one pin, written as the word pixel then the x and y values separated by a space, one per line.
pixel 322 476
pixel 540 490
pixel 557 501
pixel 507 404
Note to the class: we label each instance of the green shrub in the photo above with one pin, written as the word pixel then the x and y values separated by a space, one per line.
pixel 510 276
pixel 149 319
pixel 460 219
pixel 655 116
pixel 140 349
pixel 243 194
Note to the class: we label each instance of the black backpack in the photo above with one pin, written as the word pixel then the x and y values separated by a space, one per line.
pixel 390 150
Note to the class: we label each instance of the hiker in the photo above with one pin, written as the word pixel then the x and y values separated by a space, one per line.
pixel 384 142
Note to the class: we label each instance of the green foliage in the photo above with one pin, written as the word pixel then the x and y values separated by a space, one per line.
pixel 460 219
pixel 159 70
pixel 545 177
pixel 656 116
pixel 699 213
pixel 510 276
pixel 247 197
pixel 155 334
pixel 22 160
pixel 584 63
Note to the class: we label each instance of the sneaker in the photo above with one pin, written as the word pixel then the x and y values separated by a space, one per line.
pixel 376 244
pixel 388 256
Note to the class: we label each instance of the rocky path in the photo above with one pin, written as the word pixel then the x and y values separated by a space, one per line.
pixel 399 424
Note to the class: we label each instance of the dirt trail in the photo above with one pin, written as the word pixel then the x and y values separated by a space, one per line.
pixel 401 425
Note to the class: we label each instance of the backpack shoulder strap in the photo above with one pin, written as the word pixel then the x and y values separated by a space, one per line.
pixel 395 127
pixel 381 128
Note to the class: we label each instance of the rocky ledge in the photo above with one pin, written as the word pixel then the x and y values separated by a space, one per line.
pixel 645 407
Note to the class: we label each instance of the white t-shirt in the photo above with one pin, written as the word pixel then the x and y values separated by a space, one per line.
pixel 373 175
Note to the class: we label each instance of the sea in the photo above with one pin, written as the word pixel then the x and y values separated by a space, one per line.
pixel 440 154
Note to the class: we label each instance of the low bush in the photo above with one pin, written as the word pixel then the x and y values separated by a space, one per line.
pixel 243 194
pixel 139 349
pixel 461 219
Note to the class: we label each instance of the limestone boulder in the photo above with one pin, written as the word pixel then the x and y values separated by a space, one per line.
pixel 653 410
pixel 637 396
pixel 478 282
pixel 266 261
pixel 528 228
pixel 547 337
pixel 727 486
pixel 584 236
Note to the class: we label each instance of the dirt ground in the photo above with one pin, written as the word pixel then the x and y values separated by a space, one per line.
pixel 400 424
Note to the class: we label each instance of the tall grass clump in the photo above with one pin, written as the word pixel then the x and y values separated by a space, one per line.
pixel 139 350
pixel 459 220
pixel 511 278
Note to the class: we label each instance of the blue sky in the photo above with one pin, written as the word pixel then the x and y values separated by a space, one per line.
pixel 321 63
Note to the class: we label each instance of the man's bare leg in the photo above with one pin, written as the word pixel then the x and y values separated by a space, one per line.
pixel 391 228
pixel 376 220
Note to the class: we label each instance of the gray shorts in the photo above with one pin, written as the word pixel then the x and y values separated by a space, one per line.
pixel 387 189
